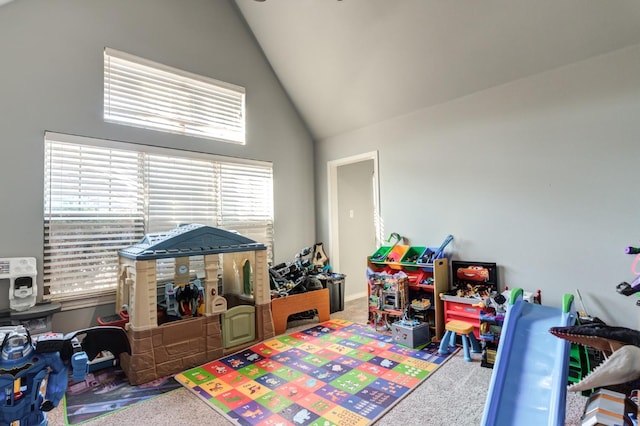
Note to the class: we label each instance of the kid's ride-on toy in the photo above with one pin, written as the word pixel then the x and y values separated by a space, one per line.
pixel 25 364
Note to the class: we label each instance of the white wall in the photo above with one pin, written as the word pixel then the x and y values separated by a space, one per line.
pixel 51 78
pixel 539 176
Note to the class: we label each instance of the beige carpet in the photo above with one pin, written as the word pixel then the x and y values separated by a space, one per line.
pixel 453 395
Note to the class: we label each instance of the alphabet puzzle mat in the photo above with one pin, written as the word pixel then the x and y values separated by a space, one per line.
pixel 336 373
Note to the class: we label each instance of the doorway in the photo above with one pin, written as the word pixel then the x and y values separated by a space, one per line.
pixel 354 218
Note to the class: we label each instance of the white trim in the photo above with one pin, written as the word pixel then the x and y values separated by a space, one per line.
pixel 332 183
pixel 356 296
pixel 151 149
pixel 87 301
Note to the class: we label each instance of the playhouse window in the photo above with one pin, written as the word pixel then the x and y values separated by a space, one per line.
pixel 101 196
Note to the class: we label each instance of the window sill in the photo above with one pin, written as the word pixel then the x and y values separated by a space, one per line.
pixel 86 301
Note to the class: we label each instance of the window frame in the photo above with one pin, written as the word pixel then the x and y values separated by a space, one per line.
pixel 218 162
pixel 142 93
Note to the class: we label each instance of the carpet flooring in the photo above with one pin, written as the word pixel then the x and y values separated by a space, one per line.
pixel 337 373
pixel 454 395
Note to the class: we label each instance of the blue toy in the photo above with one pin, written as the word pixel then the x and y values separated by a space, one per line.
pixel 529 379
pixel 25 364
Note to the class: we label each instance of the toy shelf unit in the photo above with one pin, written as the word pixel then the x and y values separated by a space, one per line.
pixel 403 282
pixel 169 333
pixel 472 283
pixel 490 329
pixel 469 300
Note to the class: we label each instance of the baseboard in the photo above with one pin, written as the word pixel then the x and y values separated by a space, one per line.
pixel 355 296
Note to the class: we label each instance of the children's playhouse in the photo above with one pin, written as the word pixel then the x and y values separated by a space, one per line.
pixel 221 323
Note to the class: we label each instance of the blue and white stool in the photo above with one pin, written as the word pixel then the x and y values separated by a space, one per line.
pixel 465 331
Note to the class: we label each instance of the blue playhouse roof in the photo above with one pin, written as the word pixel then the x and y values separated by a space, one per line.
pixel 189 240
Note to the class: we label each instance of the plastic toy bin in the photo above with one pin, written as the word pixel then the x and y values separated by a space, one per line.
pixel 394 256
pixel 412 255
pixel 415 276
pixel 380 268
pixel 380 255
pixel 412 336
pixel 428 266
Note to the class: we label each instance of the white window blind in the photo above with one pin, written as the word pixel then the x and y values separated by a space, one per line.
pixel 247 202
pixel 147 94
pixel 101 196
pixel 182 190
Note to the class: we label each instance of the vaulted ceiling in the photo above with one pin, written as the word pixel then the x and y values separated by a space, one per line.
pixel 347 64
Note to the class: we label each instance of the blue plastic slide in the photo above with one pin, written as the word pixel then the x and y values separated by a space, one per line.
pixel 529 380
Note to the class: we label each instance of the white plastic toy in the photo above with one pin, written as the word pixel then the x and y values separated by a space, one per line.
pixel 23 289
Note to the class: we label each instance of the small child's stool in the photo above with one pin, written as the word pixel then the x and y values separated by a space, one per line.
pixel 465 331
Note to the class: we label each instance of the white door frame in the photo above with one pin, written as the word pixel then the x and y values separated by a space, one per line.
pixel 332 176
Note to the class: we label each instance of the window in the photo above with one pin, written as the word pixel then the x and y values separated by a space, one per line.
pixel 101 196
pixel 142 93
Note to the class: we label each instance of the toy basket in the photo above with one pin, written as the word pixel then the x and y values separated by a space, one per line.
pixel 389 254
pixel 380 255
pixel 425 260
pixel 414 276
pixel 431 254
pixel 395 255
pixel 412 255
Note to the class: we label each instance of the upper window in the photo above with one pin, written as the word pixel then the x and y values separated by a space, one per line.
pixel 142 93
pixel 101 196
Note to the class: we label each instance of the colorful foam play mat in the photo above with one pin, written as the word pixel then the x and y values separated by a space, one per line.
pixel 336 373
pixel 107 390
